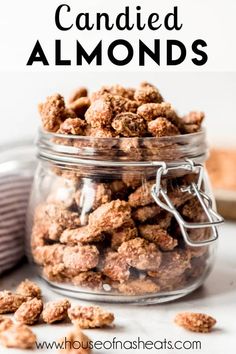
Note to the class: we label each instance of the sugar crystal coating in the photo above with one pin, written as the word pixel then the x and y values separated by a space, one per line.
pixel 55 311
pixel 90 316
pixel 196 322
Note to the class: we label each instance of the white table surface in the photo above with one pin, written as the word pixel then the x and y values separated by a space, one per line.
pixel 217 298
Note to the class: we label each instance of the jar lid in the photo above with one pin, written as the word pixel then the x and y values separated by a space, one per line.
pixel 17 165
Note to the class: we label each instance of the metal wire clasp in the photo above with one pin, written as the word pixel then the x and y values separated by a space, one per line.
pixel 161 198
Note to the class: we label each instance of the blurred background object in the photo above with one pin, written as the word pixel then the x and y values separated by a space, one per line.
pixel 221 167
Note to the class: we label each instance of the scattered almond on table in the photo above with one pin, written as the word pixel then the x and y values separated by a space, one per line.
pixel 195 322
pixel 90 316
pixel 28 308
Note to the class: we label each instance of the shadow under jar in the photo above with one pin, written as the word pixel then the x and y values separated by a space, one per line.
pixel 122 219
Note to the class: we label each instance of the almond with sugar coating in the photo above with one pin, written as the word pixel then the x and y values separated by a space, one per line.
pixel 80 258
pixel 78 93
pixel 110 216
pixel 80 106
pixel 73 126
pixel 150 111
pixel 52 112
pixel 18 336
pixel 99 114
pixel 5 323
pixel 147 93
pixel 91 280
pixel 82 343
pixel 162 127
pixel 55 311
pixel 138 287
pixel 83 234
pixel 142 195
pixel 29 288
pixel 196 322
pixel 29 311
pixel 159 236
pixel 141 254
pixel 9 302
pixel 90 316
pixel 115 267
pixel 129 124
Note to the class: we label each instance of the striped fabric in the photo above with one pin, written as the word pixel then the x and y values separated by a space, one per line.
pixel 14 195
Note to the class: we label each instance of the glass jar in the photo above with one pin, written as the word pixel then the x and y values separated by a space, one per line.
pixel 122 219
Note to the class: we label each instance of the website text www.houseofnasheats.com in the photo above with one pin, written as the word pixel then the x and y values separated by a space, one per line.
pixel 125 345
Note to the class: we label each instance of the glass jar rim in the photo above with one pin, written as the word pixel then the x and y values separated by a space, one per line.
pixel 123 151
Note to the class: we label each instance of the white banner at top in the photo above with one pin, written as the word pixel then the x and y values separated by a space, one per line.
pixel 124 35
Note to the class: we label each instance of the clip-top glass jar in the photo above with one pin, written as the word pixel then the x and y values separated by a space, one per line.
pixel 122 219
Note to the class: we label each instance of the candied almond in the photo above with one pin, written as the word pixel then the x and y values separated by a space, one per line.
pixel 116 90
pixel 83 234
pixel 147 93
pixel 125 233
pixel 5 323
pixel 74 126
pixel 80 258
pixel 110 216
pixel 53 218
pixel 159 236
pixel 173 264
pixel 164 220
pixel 141 254
pixel 9 302
pixel 191 123
pixel 78 93
pixel 133 179
pixel 99 114
pixel 172 283
pixel 93 194
pixel 68 113
pixel 150 111
pixel 18 336
pixel 196 322
pixel 192 209
pixel 29 311
pixel 162 127
pixel 49 254
pixel 142 195
pixel 119 189
pixel 90 316
pixel 91 280
pixel 55 272
pixel 120 105
pixel 55 311
pixel 129 124
pixel 138 287
pixel 100 132
pixel 115 267
pixel 78 337
pixel 29 288
pixel 52 112
pixel 142 214
pixel 132 150
pixel 80 106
